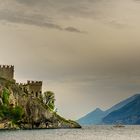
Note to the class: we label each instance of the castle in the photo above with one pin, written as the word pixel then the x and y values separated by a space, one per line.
pixel 32 87
pixel 7 72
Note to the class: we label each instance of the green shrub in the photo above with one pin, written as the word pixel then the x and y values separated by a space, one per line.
pixel 8 112
pixel 4 109
pixel 49 99
pixel 51 105
pixel 5 97
pixel 14 114
pixel 17 113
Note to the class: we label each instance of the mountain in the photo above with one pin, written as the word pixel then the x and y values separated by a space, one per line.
pixel 128 114
pixel 122 103
pixel 96 116
pixel 92 118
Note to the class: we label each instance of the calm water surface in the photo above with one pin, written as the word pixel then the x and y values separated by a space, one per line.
pixel 86 133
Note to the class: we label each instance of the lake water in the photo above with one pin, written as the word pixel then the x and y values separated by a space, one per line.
pixel 86 133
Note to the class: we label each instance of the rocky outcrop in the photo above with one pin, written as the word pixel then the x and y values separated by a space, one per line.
pixel 27 112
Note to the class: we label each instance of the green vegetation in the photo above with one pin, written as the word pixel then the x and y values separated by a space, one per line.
pixel 7 111
pixel 16 114
pixel 11 113
pixel 51 105
pixel 49 99
pixel 5 96
pixel 4 111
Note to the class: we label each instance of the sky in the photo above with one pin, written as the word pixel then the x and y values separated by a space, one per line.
pixel 85 51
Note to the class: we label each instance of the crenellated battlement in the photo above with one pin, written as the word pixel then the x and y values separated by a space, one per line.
pixel 21 84
pixel 7 72
pixel 34 82
pixel 7 66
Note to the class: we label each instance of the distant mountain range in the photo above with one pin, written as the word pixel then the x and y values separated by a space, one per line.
pixel 125 112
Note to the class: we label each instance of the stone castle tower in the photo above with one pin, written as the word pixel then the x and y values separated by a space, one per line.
pixel 7 72
pixel 34 88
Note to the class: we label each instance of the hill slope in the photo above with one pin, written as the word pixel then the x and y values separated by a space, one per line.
pixel 96 116
pixel 129 114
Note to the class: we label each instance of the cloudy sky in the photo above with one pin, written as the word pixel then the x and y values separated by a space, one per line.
pixel 86 51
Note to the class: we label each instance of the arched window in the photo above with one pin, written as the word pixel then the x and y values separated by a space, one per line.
pixel 36 94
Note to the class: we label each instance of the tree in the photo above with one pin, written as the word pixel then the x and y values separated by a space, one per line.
pixel 49 99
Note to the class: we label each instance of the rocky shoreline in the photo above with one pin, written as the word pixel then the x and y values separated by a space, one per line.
pixel 19 110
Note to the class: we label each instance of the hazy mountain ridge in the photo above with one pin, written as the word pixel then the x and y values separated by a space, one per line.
pixel 129 114
pixel 94 117
pixel 98 116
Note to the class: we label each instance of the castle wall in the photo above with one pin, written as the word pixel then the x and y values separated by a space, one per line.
pixel 7 72
pixel 35 88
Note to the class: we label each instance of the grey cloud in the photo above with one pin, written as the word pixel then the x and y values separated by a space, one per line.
pixel 94 9
pixel 32 20
pixel 73 29
pixel 81 8
pixel 28 2
pixel 39 12
pixel 116 24
pixel 30 17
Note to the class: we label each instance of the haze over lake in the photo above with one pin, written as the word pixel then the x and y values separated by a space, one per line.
pixel 86 133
